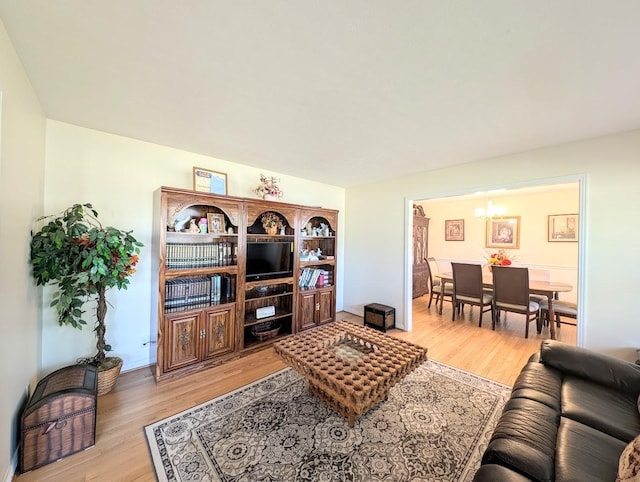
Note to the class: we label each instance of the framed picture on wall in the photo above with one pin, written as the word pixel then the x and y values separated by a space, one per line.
pixel 205 180
pixel 562 228
pixel 454 230
pixel 503 232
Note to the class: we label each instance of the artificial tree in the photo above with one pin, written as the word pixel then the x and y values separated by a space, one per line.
pixel 83 259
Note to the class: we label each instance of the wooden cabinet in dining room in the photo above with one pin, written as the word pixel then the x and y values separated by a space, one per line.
pixel 420 252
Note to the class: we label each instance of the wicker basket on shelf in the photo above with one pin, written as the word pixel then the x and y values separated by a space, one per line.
pixel 265 331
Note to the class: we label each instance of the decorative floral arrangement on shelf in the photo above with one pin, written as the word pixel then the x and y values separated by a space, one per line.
pixel 268 188
pixel 500 258
pixel 271 221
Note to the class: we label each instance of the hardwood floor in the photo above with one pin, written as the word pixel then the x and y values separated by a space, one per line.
pixel 121 452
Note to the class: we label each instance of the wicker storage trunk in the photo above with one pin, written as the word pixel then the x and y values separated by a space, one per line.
pixel 60 418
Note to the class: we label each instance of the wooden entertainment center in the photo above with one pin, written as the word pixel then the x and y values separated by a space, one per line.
pixel 209 308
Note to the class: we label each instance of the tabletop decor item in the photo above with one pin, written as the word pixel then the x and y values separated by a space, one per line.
pixel 271 222
pixel 500 258
pixel 83 259
pixel 268 188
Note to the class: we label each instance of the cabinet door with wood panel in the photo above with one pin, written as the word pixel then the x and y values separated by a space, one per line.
pixel 219 327
pixel 315 308
pixel 306 310
pixel 325 305
pixel 182 340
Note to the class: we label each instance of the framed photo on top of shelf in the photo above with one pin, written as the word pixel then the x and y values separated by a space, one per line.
pixel 503 232
pixel 454 230
pixel 206 180
pixel 215 223
pixel 563 228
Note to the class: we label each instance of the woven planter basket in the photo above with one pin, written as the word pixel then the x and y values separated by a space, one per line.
pixel 107 378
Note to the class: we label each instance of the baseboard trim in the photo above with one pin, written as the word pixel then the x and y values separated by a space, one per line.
pixel 12 469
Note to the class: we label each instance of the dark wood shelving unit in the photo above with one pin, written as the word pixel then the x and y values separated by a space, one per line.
pixel 194 338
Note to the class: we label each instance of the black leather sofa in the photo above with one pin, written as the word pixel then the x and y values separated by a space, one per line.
pixel 570 415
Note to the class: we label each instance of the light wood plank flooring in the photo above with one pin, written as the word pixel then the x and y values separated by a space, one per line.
pixel 121 452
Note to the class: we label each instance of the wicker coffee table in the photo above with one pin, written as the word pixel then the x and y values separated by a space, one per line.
pixel 350 367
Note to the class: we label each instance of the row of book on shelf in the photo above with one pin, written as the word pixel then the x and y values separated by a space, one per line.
pixel 193 293
pixel 315 278
pixel 200 255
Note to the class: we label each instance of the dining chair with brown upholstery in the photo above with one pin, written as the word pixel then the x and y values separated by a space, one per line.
pixel 511 293
pixel 436 288
pixel 468 289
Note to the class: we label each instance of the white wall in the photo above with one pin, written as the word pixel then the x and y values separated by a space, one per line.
pixel 559 260
pixel 118 176
pixel 377 228
pixel 21 180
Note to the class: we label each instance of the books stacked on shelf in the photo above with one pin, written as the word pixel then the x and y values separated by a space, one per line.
pixel 194 293
pixel 315 278
pixel 200 255
pixel 223 288
pixel 186 294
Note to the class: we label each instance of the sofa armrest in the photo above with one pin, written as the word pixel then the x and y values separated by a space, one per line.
pixel 601 369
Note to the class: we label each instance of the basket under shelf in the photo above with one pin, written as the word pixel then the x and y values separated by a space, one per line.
pixel 266 331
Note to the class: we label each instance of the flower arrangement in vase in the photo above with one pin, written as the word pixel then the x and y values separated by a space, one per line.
pixel 271 222
pixel 268 188
pixel 500 258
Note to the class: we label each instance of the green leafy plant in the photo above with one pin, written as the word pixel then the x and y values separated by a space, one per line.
pixel 83 259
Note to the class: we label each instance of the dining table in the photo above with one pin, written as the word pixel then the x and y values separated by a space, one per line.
pixel 547 288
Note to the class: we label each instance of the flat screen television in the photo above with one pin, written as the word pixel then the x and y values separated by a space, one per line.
pixel 269 260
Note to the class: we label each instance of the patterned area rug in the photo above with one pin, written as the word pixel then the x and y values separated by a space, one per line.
pixel 434 426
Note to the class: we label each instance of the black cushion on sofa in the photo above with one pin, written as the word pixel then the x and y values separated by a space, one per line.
pixel 586 454
pixel 610 411
pixel 525 439
pixel 539 382
pixel 601 369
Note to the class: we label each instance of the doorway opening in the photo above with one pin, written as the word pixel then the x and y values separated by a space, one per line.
pixel 535 204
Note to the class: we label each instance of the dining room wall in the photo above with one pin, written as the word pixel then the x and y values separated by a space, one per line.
pixel 378 240
pixel 555 260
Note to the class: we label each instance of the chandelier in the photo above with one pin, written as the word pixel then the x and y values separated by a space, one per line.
pixel 490 211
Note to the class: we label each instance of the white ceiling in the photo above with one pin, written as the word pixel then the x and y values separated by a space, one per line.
pixel 339 92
